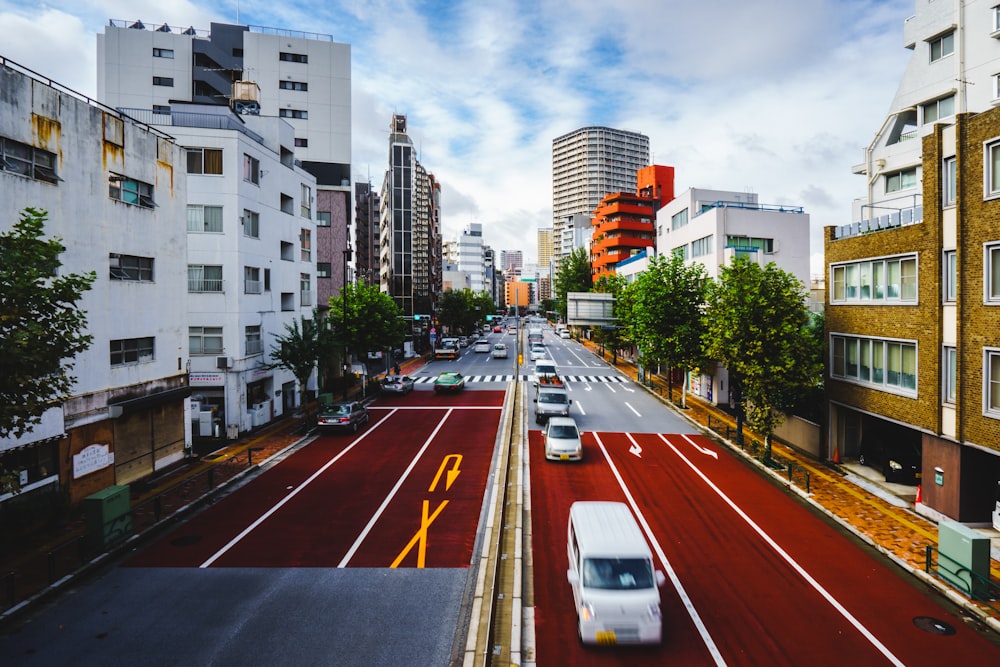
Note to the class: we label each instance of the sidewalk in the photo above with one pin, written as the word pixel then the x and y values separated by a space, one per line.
pixel 870 509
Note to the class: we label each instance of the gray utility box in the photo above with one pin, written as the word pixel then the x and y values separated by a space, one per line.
pixel 962 554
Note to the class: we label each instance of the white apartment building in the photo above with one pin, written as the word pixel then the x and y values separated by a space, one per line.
pixel 712 227
pixel 470 256
pixel 251 262
pixel 587 164
pixel 113 194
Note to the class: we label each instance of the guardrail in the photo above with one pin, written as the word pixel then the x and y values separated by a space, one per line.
pixel 981 588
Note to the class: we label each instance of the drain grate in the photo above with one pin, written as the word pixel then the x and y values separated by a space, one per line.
pixel 935 626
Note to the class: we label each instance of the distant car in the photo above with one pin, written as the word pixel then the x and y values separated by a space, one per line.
pixel 397 384
pixel 498 329
pixel 342 416
pixel 562 439
pixel 499 351
pixel 449 381
pixel 538 352
pixel 512 331
pixel 564 333
pixel 463 341
pixel 482 345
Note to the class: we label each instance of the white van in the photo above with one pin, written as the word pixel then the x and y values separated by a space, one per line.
pixel 615 587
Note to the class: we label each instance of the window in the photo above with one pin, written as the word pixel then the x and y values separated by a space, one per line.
pixel 678 220
pixel 996 87
pixel 29 161
pixel 130 191
pixel 287 204
pixel 324 218
pixel 938 109
pixel 992 158
pixel 901 180
pixel 204 160
pixel 680 251
pixel 163 53
pixel 205 340
pixel 948 181
pixel 886 364
pixel 204 218
pixel 949 280
pixel 293 113
pixel 293 85
pixel 251 280
pixel 323 269
pixel 991 378
pixel 701 247
pixel 305 289
pixel 161 108
pixel 251 169
pixel 949 374
pixel 253 341
pixel 996 19
pixel 301 143
pixel 305 205
pixel 293 57
pixel 305 240
pixel 204 278
pixel 992 273
pixel 251 224
pixel 750 244
pixel 128 351
pixel 889 279
pixel 130 267
pixel 942 46
pixel 163 81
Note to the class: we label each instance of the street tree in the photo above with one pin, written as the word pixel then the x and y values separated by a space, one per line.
pixel 614 336
pixel 41 327
pixel 666 319
pixel 574 275
pixel 758 326
pixel 301 347
pixel 363 319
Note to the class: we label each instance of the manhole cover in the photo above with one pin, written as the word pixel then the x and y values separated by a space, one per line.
pixel 935 626
pixel 186 540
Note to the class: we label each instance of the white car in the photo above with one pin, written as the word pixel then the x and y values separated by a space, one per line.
pixel 538 353
pixel 564 333
pixel 482 345
pixel 562 439
pixel 499 351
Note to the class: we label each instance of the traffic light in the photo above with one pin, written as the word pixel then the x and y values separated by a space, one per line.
pixel 416 318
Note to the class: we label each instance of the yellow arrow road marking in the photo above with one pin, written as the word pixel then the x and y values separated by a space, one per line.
pixel 452 474
pixel 420 536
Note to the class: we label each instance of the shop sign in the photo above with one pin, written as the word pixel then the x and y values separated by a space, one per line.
pixel 205 379
pixel 91 459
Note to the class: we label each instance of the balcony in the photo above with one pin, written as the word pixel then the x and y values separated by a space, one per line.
pixel 899 218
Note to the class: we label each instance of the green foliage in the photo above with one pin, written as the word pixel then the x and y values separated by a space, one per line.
pixel 301 347
pixel 614 337
pixel 666 305
pixel 759 328
pixel 41 327
pixel 461 310
pixel 574 275
pixel 373 321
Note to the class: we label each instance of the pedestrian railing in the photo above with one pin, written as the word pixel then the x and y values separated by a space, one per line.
pixel 977 586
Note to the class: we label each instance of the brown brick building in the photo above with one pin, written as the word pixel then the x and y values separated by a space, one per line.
pixel 913 321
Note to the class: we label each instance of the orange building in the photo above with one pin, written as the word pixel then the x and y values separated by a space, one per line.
pixel 518 293
pixel 625 223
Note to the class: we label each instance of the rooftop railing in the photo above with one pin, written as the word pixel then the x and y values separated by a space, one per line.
pixel 216 121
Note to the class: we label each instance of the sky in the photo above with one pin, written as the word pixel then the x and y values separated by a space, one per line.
pixel 777 97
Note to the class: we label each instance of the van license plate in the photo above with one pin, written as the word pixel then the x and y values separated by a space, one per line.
pixel 606 637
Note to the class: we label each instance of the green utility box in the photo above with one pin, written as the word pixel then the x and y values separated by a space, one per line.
pixel 109 517
pixel 964 558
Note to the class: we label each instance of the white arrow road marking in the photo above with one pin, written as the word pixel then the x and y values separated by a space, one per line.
pixel 635 448
pixel 703 450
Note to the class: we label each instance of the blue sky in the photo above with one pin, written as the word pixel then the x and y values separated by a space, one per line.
pixel 774 96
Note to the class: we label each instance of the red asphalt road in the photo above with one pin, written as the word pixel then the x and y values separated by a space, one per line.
pixel 405 491
pixel 756 607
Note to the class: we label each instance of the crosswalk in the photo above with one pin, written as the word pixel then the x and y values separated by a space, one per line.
pixel 527 378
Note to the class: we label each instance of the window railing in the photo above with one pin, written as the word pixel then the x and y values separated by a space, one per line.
pixel 204 284
pixel 912 215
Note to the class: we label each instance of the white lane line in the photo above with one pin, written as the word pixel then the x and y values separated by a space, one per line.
pixel 246 531
pixel 392 494
pixel 674 579
pixel 791 561
pixel 629 406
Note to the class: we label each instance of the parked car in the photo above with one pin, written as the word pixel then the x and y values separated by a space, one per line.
pixel 482 345
pixel 342 416
pixel 449 381
pixel 562 439
pixel 900 462
pixel 499 351
pixel 397 384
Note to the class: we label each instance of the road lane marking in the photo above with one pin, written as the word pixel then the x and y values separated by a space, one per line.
pixel 674 579
pixel 452 474
pixel 629 406
pixel 420 537
pixel 246 531
pixel 636 448
pixel 395 489
pixel 703 450
pixel 826 595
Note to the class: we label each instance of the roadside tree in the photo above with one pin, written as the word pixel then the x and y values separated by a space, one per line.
pixel 574 275
pixel 301 347
pixel 362 319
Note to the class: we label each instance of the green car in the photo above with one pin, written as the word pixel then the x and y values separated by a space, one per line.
pixel 449 381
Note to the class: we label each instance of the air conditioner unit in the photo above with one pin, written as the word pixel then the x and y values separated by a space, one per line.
pixel 223 362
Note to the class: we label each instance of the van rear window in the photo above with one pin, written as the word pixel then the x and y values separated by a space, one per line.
pixel 617 573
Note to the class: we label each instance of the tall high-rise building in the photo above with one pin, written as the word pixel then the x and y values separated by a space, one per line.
pixel 511 259
pixel 544 246
pixel 470 255
pixel 410 252
pixel 587 164
pixel 366 233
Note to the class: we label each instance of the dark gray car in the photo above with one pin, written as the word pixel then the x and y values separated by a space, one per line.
pixel 343 416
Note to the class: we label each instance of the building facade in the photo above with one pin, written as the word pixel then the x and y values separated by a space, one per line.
pixel 912 281
pixel 588 164
pixel 366 236
pixel 470 256
pixel 114 192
